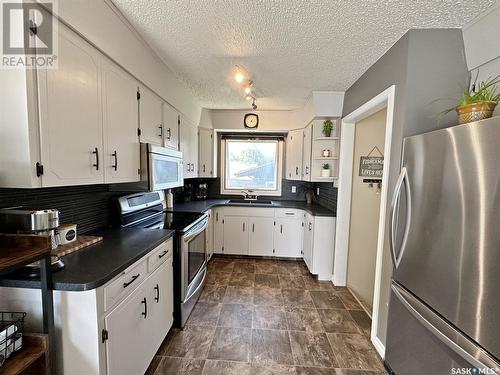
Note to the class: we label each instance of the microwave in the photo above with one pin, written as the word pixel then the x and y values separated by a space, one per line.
pixel 161 167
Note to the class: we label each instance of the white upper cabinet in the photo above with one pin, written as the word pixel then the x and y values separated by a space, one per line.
pixel 189 148
pixel 260 236
pixel 306 153
pixel 205 153
pixel 171 126
pixel 294 155
pixel 70 115
pixel 150 117
pixel 121 160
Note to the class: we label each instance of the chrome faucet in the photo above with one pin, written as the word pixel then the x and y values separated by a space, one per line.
pixel 247 195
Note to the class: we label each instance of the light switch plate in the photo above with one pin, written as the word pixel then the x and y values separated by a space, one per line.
pixel 294 189
pixel 317 191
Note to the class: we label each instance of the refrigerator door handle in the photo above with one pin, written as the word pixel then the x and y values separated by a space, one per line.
pixel 403 178
pixel 447 334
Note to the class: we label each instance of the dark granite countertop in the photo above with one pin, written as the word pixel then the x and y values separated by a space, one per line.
pixel 95 265
pixel 204 205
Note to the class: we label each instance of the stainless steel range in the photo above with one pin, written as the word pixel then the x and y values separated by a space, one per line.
pixel 146 210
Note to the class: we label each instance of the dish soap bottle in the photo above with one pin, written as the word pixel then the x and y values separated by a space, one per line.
pixel 170 199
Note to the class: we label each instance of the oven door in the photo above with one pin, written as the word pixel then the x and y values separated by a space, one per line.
pixel 165 171
pixel 194 258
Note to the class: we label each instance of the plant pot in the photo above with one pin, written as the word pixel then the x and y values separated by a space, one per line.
pixel 475 111
pixel 327 134
pixel 325 173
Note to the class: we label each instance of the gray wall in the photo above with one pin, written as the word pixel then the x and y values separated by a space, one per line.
pixel 425 65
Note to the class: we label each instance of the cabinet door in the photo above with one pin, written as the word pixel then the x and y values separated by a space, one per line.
pixel 210 234
pixel 160 304
pixel 235 235
pixel 260 236
pixel 121 159
pixel 205 152
pixel 218 230
pixel 189 148
pixel 294 155
pixel 288 238
pixel 308 241
pixel 71 114
pixel 128 347
pixel 306 153
pixel 150 117
pixel 171 126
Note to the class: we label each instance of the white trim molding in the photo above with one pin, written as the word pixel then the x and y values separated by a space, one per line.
pixel 384 100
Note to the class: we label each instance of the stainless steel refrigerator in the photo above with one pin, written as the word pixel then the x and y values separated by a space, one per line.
pixel 444 310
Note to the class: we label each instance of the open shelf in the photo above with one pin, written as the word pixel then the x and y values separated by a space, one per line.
pixel 326 179
pixel 33 354
pixel 326 138
pixel 326 158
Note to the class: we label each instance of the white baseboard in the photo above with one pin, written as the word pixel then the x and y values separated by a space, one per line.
pixel 379 347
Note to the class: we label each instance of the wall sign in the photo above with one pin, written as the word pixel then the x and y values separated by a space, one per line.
pixel 371 166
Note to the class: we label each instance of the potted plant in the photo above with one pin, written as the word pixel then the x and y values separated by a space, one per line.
pixel 325 170
pixel 478 103
pixel 327 127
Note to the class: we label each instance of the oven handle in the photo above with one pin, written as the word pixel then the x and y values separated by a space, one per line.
pixel 201 285
pixel 200 227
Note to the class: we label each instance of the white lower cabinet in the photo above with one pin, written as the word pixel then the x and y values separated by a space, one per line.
pixel 235 235
pixel 136 327
pixel 280 232
pixel 128 335
pixel 260 237
pixel 288 237
pixel 218 231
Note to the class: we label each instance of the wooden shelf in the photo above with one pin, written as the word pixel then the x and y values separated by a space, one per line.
pixel 18 250
pixel 31 359
pixel 326 139
pixel 328 158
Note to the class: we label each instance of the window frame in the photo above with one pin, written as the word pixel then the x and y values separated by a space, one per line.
pixel 257 192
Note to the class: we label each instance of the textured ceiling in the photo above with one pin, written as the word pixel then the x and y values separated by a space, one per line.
pixel 290 47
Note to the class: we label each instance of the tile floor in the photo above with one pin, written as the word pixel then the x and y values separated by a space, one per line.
pixel 261 316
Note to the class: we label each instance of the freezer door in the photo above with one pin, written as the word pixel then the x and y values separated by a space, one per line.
pixel 449 254
pixel 421 342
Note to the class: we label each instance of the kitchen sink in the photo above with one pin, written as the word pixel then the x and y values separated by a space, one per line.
pixel 251 202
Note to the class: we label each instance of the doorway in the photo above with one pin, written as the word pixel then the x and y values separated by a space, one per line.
pixel 365 208
pixel 383 100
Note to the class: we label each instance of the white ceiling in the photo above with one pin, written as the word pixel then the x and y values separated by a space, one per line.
pixel 290 47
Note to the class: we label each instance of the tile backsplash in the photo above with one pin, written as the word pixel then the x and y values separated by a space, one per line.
pixel 90 207
pixel 327 197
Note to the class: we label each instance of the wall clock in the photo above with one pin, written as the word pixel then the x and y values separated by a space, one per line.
pixel 251 121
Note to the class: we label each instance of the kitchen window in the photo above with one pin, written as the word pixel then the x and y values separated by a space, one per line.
pixel 251 165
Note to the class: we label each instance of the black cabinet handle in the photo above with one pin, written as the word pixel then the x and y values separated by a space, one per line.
pixel 297 171
pixel 253 228
pixel 131 281
pixel 203 167
pixel 163 254
pixel 281 228
pixel 115 166
pixel 168 134
pixel 161 131
pixel 96 165
pixel 310 227
pixel 157 298
pixel 216 216
pixel 145 312
pixel 243 227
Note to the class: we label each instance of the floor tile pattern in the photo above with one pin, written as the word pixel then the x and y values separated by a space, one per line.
pixel 266 316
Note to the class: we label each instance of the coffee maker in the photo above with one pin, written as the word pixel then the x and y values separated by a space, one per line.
pixel 202 191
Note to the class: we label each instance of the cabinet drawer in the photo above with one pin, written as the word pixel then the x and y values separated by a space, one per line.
pixel 249 211
pixel 160 255
pixel 127 281
pixel 289 212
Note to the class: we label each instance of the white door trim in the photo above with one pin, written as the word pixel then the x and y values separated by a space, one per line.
pixel 384 100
